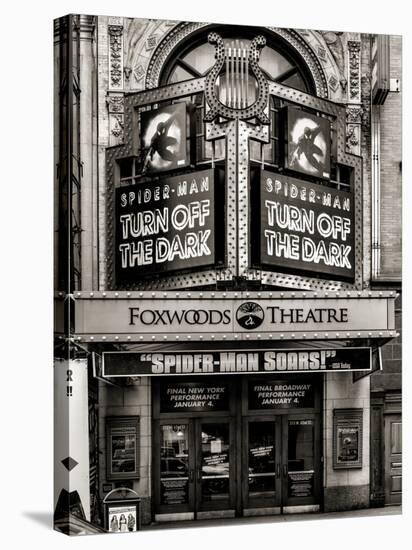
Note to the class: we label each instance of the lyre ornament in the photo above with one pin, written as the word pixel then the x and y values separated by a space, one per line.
pixel 236 87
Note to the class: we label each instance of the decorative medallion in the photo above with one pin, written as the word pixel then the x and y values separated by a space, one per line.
pixel 250 315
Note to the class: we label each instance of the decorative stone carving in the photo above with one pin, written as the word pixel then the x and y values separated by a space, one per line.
pixel 354 111
pixel 321 53
pixel 366 91
pixel 334 42
pixel 353 138
pixel 116 122
pixel 118 126
pixel 115 20
pixel 115 106
pixel 151 42
pixel 115 103
pixel 333 82
pixel 354 71
pixel 138 72
pixel 354 115
pixel 116 56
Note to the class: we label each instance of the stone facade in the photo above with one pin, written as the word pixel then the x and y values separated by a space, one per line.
pixel 391 172
pixel 345 489
pixel 133 400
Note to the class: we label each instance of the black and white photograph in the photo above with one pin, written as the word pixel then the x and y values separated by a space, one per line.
pixel 204 314
pixel 228 273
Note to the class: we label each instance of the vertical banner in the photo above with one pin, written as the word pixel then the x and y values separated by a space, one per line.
pixel 71 438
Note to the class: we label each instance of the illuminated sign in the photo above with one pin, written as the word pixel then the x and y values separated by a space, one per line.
pixel 166 226
pixel 235 362
pixel 304 227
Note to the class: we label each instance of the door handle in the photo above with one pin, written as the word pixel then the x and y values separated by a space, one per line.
pixel 191 476
pixel 199 474
pixel 285 470
pixel 277 470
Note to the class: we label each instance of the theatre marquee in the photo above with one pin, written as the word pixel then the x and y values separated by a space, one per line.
pixel 184 316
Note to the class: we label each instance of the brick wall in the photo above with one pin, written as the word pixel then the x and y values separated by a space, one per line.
pixel 390 158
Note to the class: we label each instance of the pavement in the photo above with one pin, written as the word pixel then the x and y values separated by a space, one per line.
pixel 368 512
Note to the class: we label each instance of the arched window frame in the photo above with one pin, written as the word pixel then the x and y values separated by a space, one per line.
pixel 273 41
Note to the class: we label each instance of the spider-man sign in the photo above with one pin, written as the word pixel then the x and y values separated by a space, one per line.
pixel 163 139
pixel 308 149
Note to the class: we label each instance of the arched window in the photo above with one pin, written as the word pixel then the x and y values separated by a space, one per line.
pixel 195 57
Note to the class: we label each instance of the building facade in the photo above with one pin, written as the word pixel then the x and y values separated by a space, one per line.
pixel 228 271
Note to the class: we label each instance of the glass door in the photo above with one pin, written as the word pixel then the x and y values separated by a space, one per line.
pixel 194 461
pixel 281 456
pixel 263 487
pixel 175 467
pixel 301 461
pixel 215 465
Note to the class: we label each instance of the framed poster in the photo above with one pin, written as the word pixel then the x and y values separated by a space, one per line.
pixel 122 447
pixel 347 438
pixel 308 143
pixel 163 134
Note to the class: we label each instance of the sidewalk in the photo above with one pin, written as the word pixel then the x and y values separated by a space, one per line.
pixel 369 512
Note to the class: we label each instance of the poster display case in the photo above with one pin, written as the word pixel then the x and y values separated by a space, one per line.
pixel 347 438
pixel 122 441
